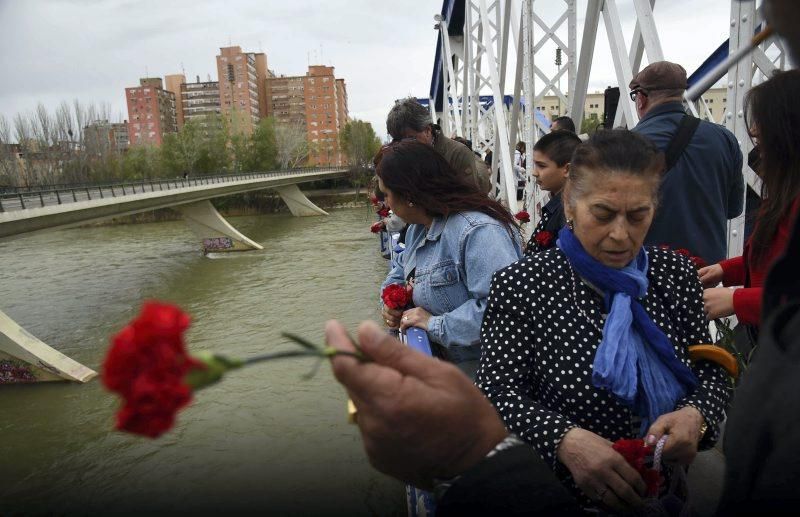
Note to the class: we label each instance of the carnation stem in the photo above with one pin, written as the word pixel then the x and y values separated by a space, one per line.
pixel 278 355
pixel 301 353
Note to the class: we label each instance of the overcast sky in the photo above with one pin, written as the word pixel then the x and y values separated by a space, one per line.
pixel 56 50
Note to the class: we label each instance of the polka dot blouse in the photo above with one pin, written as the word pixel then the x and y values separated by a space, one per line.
pixel 539 337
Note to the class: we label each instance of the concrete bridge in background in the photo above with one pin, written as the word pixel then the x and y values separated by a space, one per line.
pixel 23 357
pixel 25 211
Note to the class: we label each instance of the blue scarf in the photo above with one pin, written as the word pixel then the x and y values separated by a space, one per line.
pixel 635 359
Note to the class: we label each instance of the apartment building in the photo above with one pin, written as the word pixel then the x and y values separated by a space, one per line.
pixel 716 100
pixel 151 112
pixel 242 87
pixel 100 136
pixel 172 83
pixel 200 101
pixel 318 102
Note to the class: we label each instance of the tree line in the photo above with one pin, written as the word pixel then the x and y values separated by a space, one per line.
pixel 47 148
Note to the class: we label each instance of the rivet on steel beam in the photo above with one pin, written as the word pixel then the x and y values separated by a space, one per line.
pixel 741 83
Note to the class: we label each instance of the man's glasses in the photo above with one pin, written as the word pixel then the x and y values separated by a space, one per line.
pixel 635 93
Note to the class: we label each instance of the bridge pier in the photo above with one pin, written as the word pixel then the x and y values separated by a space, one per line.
pixel 215 233
pixel 298 203
pixel 24 358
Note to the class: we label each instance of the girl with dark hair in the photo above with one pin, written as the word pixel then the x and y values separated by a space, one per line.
pixel 587 343
pixel 773 116
pixel 456 240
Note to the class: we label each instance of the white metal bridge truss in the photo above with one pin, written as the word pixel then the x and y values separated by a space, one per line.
pixel 498 50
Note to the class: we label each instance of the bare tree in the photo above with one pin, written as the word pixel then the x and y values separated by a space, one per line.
pixel 292 145
pixel 9 164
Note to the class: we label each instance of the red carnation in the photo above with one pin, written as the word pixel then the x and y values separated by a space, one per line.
pixel 373 199
pixel 635 453
pixel 377 227
pixel 146 365
pixel 684 252
pixel 523 216
pixel 396 296
pixel 383 212
pixel 544 239
pixel 698 261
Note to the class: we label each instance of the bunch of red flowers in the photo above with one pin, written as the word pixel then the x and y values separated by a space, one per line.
pixel 698 261
pixel 396 296
pixel 377 227
pixel 147 365
pixel 635 453
pixel 523 216
pixel 544 238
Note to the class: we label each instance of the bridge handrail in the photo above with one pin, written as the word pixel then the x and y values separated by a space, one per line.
pixel 69 190
pixel 16 189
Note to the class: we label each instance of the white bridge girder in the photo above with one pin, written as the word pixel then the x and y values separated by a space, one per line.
pixel 504 40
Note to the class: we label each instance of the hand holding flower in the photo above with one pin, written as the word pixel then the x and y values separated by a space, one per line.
pixel 710 276
pixel 600 471
pixel 392 317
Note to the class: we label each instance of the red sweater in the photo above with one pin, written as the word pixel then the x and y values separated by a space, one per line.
pixel 747 300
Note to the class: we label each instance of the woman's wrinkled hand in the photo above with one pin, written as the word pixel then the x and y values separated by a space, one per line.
pixel 718 302
pixel 416 317
pixel 391 317
pixel 710 276
pixel 600 471
pixel 683 427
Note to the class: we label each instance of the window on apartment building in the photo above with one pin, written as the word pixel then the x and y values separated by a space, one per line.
pixel 147 90
pixel 711 101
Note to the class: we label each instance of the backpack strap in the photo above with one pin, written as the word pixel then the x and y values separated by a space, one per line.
pixel 680 140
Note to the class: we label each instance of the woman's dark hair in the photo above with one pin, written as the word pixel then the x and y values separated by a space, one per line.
pixel 558 146
pixel 420 174
pixel 613 151
pixel 773 114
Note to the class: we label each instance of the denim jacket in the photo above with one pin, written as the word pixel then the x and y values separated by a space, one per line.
pixel 454 262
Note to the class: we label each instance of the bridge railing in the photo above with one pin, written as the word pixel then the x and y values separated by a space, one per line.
pixel 40 196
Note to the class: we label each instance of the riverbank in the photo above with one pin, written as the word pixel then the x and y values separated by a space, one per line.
pixel 252 203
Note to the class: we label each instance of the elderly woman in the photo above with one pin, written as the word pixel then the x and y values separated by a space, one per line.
pixel 456 240
pixel 586 343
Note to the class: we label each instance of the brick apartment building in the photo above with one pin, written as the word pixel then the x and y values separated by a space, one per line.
pixel 246 92
pixel 151 112
pixel 242 87
pixel 100 136
pixel 318 102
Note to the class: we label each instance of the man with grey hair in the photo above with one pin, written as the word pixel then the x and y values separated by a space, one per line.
pixel 703 185
pixel 409 119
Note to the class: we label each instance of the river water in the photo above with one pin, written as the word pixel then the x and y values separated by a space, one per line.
pixel 262 441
